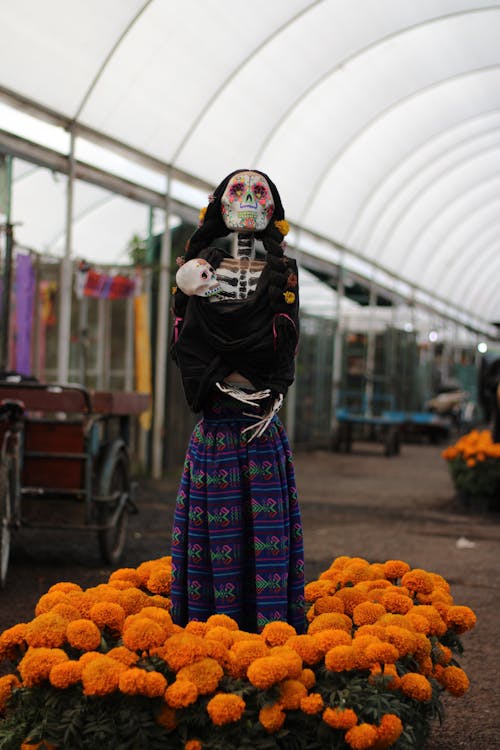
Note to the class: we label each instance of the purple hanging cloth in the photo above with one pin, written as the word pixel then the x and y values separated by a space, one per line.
pixel 24 303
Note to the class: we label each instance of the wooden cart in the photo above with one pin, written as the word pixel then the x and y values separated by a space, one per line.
pixel 64 462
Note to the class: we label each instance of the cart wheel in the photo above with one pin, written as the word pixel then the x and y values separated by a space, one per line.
pixel 114 480
pixel 5 518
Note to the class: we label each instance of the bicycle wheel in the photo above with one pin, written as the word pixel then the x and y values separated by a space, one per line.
pixel 5 516
pixel 114 481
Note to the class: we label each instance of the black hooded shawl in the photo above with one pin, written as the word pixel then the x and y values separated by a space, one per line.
pixel 215 339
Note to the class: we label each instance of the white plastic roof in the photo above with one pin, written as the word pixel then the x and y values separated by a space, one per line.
pixel 378 121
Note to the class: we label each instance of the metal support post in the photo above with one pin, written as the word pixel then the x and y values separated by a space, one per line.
pixel 7 269
pixel 64 332
pixel 162 343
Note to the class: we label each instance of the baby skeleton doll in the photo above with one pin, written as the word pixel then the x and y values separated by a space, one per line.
pixel 237 535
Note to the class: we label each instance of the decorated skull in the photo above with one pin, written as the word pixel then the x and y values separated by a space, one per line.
pixel 247 203
pixel 197 278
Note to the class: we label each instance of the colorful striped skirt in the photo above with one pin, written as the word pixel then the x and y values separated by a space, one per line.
pixel 237 545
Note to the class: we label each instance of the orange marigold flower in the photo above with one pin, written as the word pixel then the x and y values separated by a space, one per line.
pixel 7 684
pixel 205 674
pixel 82 601
pixel 442 654
pixel 161 616
pixel 167 717
pixel 181 694
pixel 220 634
pixel 460 619
pixel 47 630
pixel 49 600
pixel 356 571
pixel 291 693
pixel 160 581
pixel 224 621
pixel 155 684
pixel 361 737
pixel 384 653
pixel 290 659
pixel 83 635
pixel 143 634
pixel 182 649
pixel 455 681
pixel 245 652
pixel 351 598
pixel 367 613
pixel 196 627
pixel 65 674
pixel 216 650
pixel 330 620
pixel 36 664
pixel 11 640
pixel 225 708
pixel 416 686
pixel 318 589
pixel 396 602
pixel 133 600
pixel 312 704
pixel 437 625
pixel 439 582
pixel 418 581
pixel 193 745
pixel 394 569
pixel 307 678
pixel 272 717
pixel 404 640
pixel 423 646
pixel 339 718
pixel 132 681
pixel 64 586
pixel 123 655
pixel 378 631
pixel 387 672
pixel 331 637
pixel 67 611
pixel 328 604
pixel 267 671
pixel 130 575
pixel 277 633
pixel 340 659
pixel 306 647
pixel 107 615
pixel 388 731
pixel 416 622
pixel 144 570
pixel 101 675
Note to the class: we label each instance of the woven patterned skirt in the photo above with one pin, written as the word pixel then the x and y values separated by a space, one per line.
pixel 237 536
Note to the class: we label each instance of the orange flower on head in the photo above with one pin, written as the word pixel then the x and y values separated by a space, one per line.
pixel 225 708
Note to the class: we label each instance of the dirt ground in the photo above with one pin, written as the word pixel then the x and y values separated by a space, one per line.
pixel 359 504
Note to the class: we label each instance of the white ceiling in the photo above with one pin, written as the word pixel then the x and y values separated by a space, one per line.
pixel 378 121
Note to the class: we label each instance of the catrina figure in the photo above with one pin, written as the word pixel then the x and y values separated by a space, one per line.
pixel 237 536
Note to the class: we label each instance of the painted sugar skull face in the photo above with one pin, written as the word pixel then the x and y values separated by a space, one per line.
pixel 247 203
pixel 197 278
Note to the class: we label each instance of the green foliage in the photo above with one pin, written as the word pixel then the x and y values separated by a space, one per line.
pixel 479 481
pixel 137 250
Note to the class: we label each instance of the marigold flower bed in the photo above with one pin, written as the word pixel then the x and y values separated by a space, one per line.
pixel 107 667
pixel 474 464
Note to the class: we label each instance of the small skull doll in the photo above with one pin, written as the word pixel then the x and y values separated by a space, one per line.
pixel 235 338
